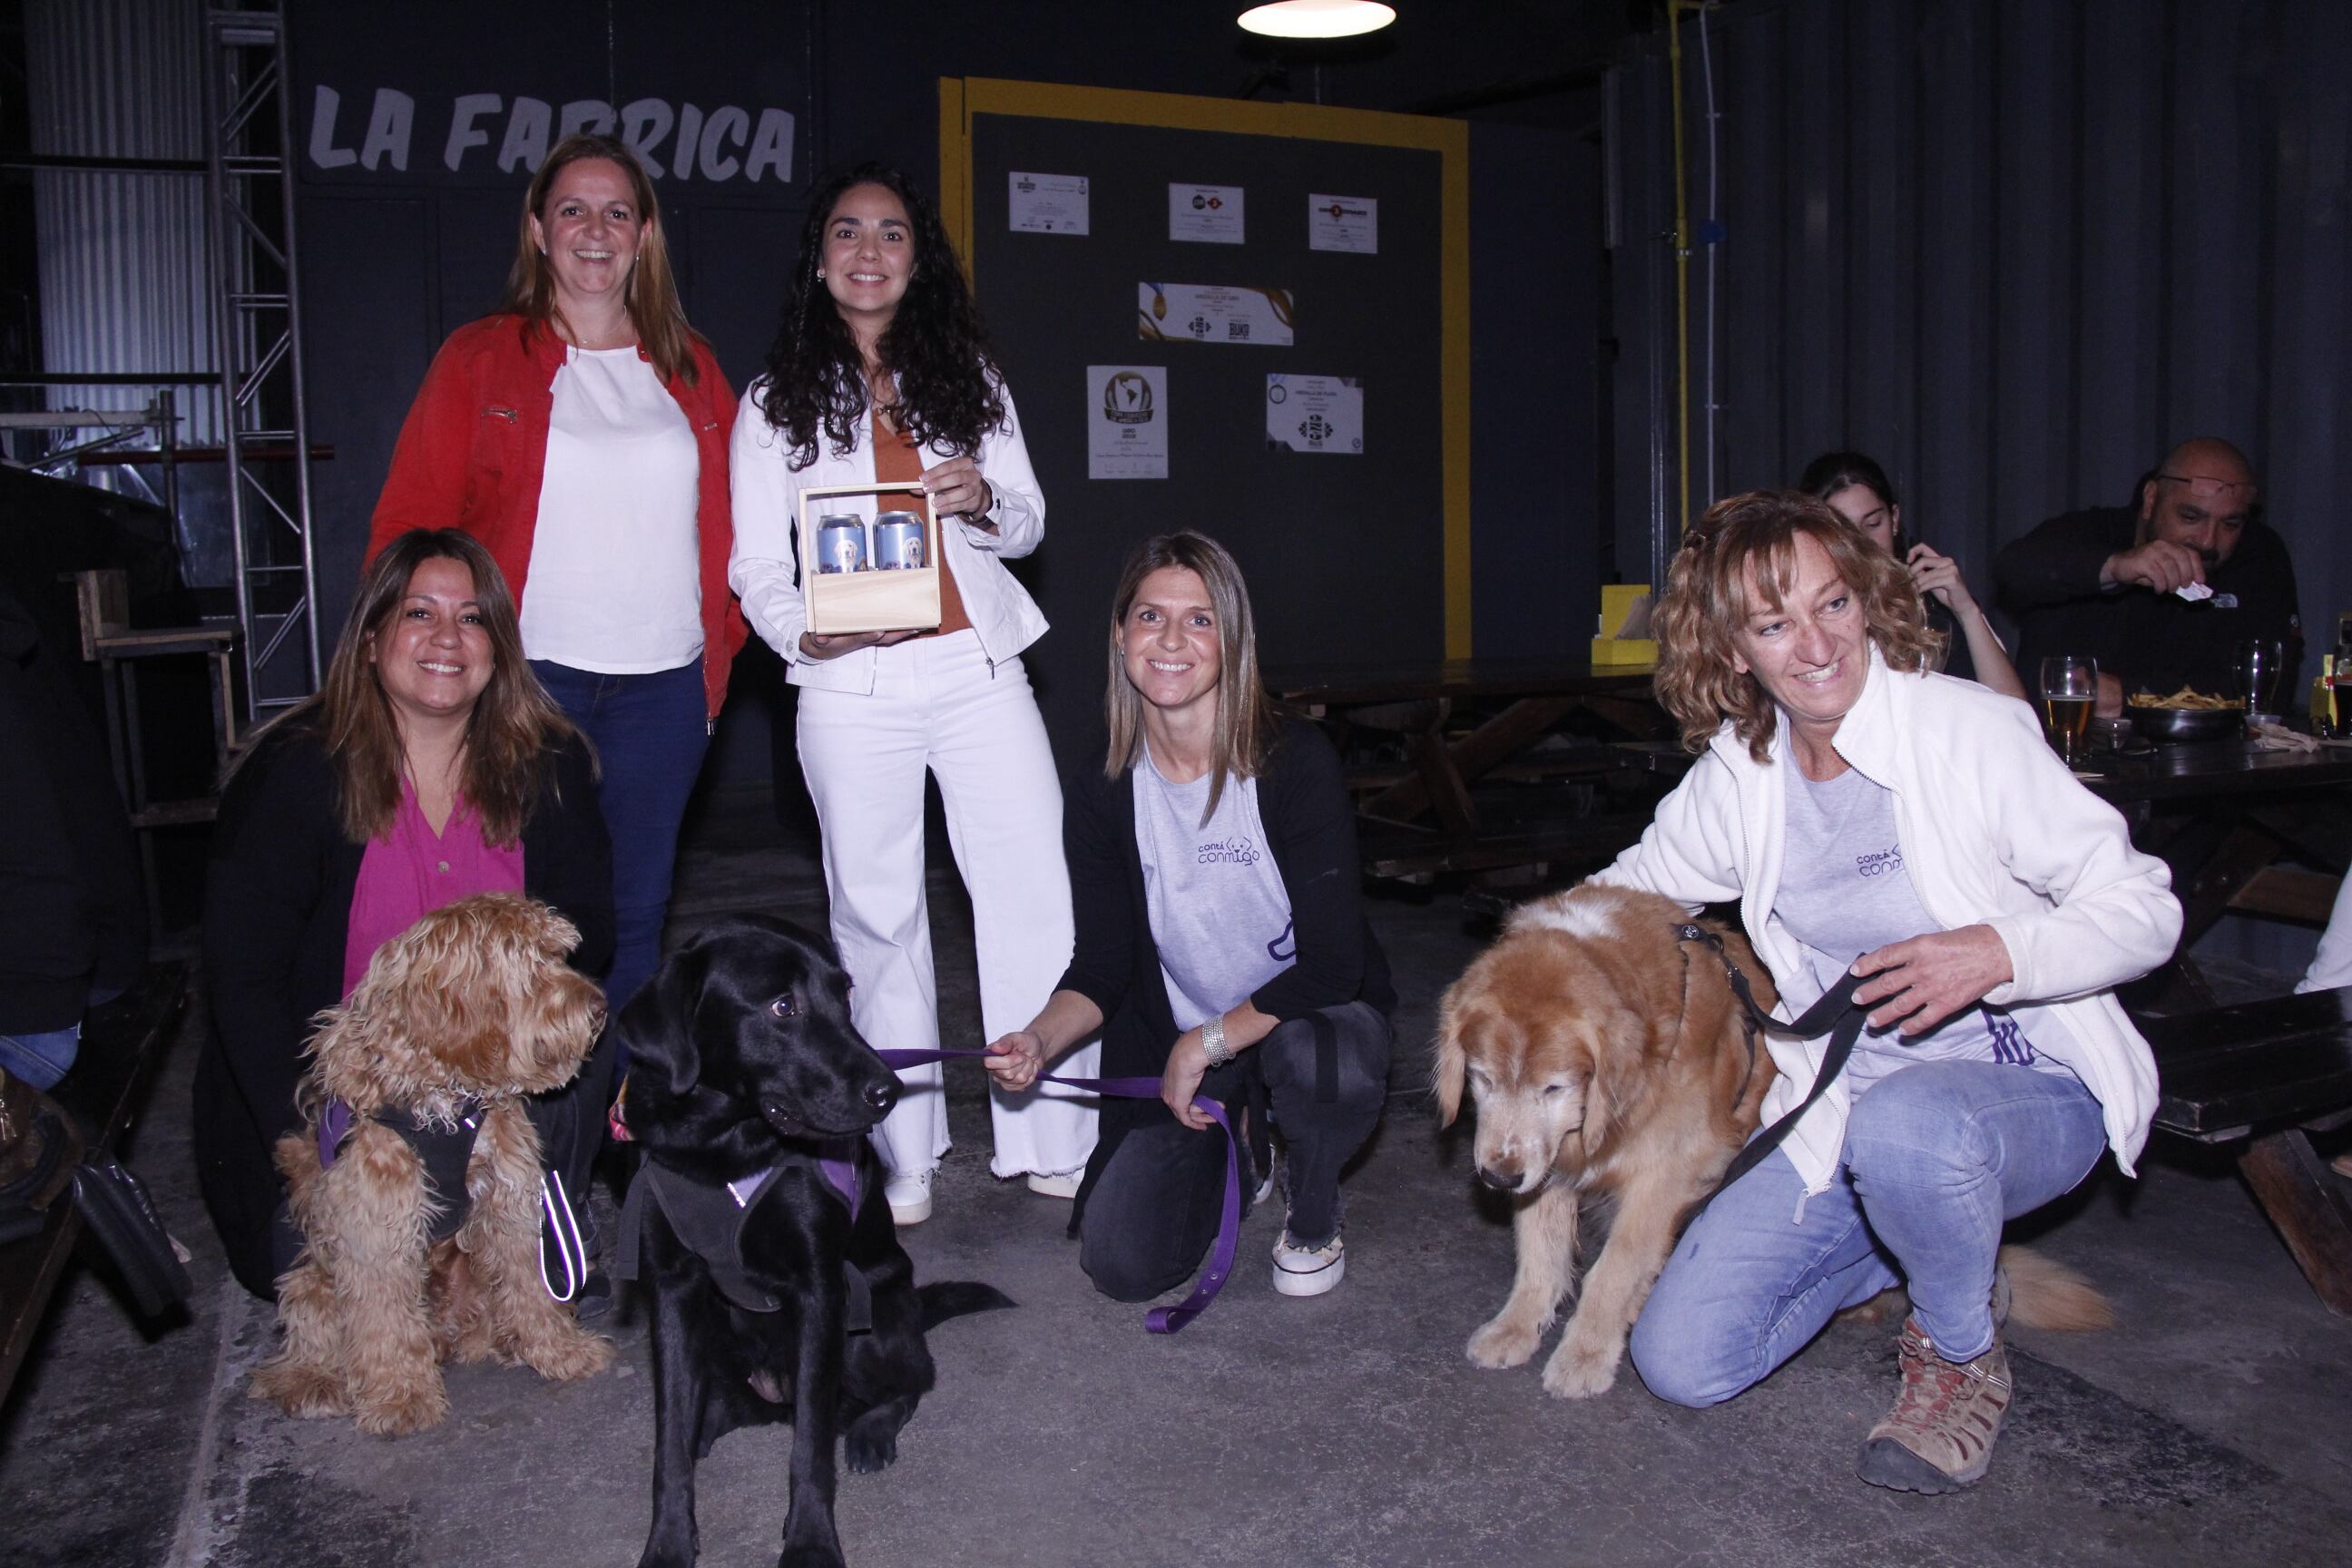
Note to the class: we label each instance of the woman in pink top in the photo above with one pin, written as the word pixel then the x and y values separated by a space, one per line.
pixel 430 765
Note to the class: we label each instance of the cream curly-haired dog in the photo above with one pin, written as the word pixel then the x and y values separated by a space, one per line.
pixel 457 1018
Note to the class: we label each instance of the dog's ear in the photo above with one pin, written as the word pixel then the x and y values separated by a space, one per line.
pixel 1452 1061
pixel 657 1023
pixel 1621 1045
pixel 425 1016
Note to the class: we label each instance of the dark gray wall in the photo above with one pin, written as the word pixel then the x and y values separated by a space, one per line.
pixel 392 261
pixel 2015 250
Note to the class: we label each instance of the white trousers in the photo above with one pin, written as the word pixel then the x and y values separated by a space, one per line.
pixel 938 706
pixel 2332 965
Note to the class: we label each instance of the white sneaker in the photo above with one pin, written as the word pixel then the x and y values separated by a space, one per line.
pixel 1062 1186
pixel 1264 1184
pixel 1298 1272
pixel 908 1195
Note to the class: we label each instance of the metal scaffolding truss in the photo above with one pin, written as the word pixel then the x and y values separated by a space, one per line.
pixel 249 183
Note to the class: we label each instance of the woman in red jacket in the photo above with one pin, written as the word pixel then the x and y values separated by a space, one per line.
pixel 581 433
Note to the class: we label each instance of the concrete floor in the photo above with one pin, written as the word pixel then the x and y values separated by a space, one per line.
pixel 2214 1426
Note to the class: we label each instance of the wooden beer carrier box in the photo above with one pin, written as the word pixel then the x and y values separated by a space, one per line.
pixel 873 600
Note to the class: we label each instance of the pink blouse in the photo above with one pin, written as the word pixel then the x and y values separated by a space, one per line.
pixel 412 871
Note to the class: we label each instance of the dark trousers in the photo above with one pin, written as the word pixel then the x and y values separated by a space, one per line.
pixel 649 731
pixel 1153 1211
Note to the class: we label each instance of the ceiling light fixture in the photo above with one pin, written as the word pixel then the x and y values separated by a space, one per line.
pixel 1318 19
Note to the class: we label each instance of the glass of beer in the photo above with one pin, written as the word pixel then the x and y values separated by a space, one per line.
pixel 2070 687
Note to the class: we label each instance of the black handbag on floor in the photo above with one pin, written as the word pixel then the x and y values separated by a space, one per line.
pixel 117 1213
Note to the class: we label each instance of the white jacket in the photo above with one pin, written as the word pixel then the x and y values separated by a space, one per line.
pixel 762 569
pixel 1994 830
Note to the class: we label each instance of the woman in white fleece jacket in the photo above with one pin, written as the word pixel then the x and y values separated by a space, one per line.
pixel 1917 830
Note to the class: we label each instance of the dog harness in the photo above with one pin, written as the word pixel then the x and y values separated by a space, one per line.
pixel 444 1151
pixel 709 1221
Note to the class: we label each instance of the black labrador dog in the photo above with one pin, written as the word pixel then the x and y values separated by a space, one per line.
pixel 780 1290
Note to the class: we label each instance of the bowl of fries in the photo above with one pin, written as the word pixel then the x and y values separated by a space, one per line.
pixel 2184 716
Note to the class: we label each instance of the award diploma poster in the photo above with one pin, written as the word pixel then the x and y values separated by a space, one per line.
pixel 1213 313
pixel 1127 422
pixel 1343 222
pixel 1205 215
pixel 1048 204
pixel 1315 413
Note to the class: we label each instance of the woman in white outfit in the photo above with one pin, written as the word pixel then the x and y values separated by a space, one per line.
pixel 881 372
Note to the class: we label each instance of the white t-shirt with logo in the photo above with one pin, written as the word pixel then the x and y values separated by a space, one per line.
pixel 616 582
pixel 1220 914
pixel 1844 891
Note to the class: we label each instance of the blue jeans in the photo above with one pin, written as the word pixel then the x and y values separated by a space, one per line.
pixel 650 733
pixel 1937 1156
pixel 40 1057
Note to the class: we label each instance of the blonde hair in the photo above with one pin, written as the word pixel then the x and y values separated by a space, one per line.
pixel 1245 729
pixel 652 289
pixel 1749 541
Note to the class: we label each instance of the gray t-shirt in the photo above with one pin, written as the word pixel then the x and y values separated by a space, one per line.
pixel 1219 911
pixel 1844 891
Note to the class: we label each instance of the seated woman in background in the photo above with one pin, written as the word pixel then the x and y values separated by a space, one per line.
pixel 1920 833
pixel 1221 932
pixel 429 766
pixel 1857 489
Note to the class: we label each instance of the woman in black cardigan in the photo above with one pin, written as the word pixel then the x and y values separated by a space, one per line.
pixel 1222 943
pixel 296 819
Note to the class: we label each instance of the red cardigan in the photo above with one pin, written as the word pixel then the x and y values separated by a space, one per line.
pixel 474 450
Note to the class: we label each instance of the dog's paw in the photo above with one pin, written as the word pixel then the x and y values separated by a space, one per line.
pixel 871 1443
pixel 868 1452
pixel 1579 1369
pixel 1503 1341
pixel 570 1355
pixel 821 1550
pixel 305 1392
pixel 411 1410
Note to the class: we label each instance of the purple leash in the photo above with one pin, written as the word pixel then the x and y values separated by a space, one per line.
pixel 1159 1319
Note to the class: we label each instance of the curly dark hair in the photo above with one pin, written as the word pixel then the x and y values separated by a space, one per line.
pixel 1743 553
pixel 948 384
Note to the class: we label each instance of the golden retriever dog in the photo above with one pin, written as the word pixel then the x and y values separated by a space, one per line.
pixel 457 1018
pixel 1608 1059
pixel 1605 1060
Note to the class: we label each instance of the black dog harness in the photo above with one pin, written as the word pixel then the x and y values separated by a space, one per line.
pixel 709 1221
pixel 445 1152
pixel 1836 1012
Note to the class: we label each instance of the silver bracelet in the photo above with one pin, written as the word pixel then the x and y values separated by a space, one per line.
pixel 1212 1041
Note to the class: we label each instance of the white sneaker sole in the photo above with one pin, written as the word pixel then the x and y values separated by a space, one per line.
pixel 1046 1187
pixel 905 1213
pixel 1323 1280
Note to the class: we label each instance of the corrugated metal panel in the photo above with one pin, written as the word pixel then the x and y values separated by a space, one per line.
pixel 123 273
pixel 2015 250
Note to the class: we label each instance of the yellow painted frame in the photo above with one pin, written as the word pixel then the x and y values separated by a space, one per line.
pixel 964 99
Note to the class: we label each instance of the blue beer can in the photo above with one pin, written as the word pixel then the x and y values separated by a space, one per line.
pixel 841 543
pixel 898 542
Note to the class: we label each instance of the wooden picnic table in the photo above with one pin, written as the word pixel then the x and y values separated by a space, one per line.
pixel 2228 820
pixel 1423 817
pixel 2259 1079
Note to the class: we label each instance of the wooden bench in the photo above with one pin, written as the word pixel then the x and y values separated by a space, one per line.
pixel 2267 1076
pixel 121 1045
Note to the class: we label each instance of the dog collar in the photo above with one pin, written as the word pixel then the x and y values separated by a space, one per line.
pixel 709 1221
